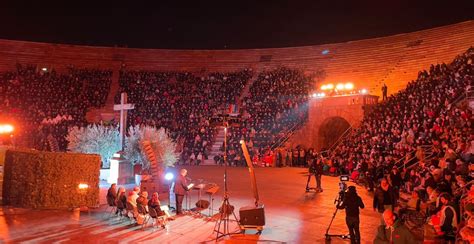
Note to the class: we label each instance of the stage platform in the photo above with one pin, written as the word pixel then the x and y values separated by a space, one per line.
pixel 292 215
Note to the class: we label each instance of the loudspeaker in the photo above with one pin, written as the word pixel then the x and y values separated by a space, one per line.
pixel 202 204
pixel 254 216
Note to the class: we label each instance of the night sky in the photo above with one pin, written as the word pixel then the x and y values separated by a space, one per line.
pixel 224 24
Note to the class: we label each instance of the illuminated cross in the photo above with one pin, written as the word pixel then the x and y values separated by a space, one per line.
pixel 123 107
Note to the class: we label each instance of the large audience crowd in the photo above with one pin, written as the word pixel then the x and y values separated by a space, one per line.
pixel 43 103
pixel 418 144
pixel 183 103
pixel 276 104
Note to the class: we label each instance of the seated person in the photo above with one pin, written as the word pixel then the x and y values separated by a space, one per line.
pixel 112 194
pixel 445 220
pixel 156 205
pixel 393 231
pixel 414 203
pixel 142 200
pixel 467 232
pixel 122 198
pixel 132 200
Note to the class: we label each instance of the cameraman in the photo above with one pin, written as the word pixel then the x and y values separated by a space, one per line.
pixel 316 169
pixel 352 202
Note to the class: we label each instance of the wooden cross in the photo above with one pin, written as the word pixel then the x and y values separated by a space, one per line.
pixel 123 107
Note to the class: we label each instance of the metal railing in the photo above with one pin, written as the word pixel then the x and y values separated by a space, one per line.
pixel 330 150
pixel 287 136
pixel 427 152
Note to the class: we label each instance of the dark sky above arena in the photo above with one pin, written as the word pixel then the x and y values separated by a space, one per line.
pixel 223 24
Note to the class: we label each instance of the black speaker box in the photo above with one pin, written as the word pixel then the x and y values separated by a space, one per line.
pixel 251 215
pixel 202 204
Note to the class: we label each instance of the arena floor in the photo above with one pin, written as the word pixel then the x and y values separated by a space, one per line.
pixel 292 216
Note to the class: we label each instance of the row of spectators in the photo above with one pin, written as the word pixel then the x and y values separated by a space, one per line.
pixel 45 103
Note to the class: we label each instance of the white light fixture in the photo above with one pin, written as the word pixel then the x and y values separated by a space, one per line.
pixel 349 86
pixel 169 176
pixel 340 86
pixel 83 186
pixel 6 129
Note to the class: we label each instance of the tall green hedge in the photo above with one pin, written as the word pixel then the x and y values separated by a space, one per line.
pixel 46 180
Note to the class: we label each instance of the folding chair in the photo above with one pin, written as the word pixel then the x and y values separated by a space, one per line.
pixel 142 210
pixel 120 208
pixel 111 207
pixel 154 216
pixel 130 209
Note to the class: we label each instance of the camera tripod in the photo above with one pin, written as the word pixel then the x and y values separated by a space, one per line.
pixel 337 202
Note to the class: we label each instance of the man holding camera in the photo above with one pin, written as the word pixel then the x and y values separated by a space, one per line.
pixel 352 202
pixel 316 169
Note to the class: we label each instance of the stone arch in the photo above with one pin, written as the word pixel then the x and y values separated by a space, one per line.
pixel 331 129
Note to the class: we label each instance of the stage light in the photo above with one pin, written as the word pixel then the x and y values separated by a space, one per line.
pixel 322 94
pixel 349 86
pixel 242 141
pixel 323 87
pixel 340 86
pixel 314 95
pixel 44 69
pixel 169 176
pixel 330 86
pixel 4 129
pixel 363 91
pixel 83 186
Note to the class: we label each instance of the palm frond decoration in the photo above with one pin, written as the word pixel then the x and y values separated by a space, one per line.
pixel 163 146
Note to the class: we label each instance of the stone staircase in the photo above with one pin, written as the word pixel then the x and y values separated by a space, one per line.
pixel 216 146
pixel 245 92
pixel 106 113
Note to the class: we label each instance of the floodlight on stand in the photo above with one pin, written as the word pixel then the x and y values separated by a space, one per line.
pixel 169 176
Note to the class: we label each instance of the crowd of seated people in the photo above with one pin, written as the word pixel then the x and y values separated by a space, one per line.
pixel 277 103
pixel 420 142
pixel 183 103
pixel 44 103
pixel 137 205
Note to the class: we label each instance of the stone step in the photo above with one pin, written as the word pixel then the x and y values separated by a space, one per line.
pixel 208 162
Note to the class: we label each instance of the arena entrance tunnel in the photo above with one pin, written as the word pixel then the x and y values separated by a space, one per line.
pixel 331 130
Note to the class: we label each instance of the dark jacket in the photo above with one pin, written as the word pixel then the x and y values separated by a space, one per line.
pixel 316 167
pixel 352 202
pixel 180 185
pixel 401 234
pixel 379 198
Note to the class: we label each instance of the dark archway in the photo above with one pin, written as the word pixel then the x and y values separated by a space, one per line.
pixel 331 129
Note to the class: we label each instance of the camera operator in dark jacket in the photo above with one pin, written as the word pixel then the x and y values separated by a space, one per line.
pixel 352 202
pixel 316 169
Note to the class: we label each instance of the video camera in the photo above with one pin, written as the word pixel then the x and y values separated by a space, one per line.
pixel 342 189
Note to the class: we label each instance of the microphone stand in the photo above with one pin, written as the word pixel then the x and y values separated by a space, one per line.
pixel 226 208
